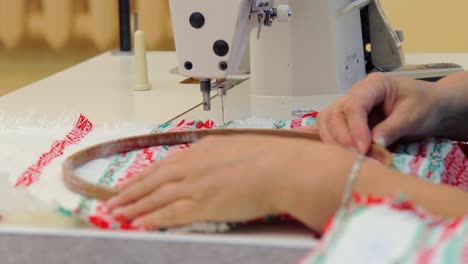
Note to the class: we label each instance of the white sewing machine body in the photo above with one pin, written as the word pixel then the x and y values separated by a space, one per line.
pixel 319 53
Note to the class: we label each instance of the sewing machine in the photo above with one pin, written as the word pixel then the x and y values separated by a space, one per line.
pixel 305 48
pixel 300 52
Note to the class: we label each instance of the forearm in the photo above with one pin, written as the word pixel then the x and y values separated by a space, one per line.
pixel 454 89
pixel 442 200
pixel 315 208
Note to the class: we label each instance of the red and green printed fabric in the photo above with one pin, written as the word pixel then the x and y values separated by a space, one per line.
pixel 378 230
pixel 437 160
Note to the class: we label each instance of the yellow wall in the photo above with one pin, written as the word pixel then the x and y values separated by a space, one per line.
pixel 430 25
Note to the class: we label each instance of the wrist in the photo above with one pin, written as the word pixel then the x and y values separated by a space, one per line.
pixel 377 180
pixel 314 192
pixel 452 108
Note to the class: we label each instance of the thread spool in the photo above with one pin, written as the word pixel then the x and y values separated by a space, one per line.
pixel 140 82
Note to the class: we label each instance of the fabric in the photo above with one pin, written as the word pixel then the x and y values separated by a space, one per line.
pixel 37 150
pixel 392 231
pixel 378 230
pixel 436 160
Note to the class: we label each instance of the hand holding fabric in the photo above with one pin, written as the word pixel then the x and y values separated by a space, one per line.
pixel 383 109
pixel 227 178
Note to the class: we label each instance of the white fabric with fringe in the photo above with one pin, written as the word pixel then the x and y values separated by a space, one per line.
pixel 25 137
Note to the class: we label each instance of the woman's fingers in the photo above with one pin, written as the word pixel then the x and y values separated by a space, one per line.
pixel 395 126
pixel 178 213
pixel 325 134
pixel 144 187
pixel 154 201
pixel 134 179
pixel 358 127
pixel 359 103
pixel 338 128
pixel 173 158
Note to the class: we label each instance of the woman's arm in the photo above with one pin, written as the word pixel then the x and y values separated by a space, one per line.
pixel 252 176
pixel 454 124
pixel 315 199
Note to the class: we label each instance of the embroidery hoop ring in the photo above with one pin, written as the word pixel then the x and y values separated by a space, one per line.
pixel 78 185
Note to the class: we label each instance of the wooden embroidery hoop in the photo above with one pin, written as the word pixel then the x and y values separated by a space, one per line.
pixel 91 190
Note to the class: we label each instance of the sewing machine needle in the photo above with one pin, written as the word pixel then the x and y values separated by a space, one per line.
pixel 222 109
pixel 222 94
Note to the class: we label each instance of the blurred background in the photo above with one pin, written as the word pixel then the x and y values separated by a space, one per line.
pixel 41 37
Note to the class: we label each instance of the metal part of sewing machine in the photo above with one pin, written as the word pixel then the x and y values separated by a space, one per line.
pixel 321 51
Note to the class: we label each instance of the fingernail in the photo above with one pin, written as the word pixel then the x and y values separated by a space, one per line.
pixel 361 146
pixel 138 223
pixel 121 218
pixel 379 140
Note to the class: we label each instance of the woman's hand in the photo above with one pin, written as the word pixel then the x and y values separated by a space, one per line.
pixel 383 109
pixel 235 178
pixel 238 178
